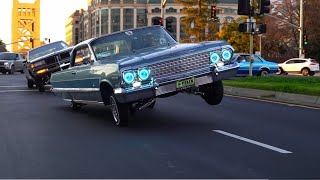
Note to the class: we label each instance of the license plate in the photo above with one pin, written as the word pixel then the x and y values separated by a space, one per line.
pixel 185 83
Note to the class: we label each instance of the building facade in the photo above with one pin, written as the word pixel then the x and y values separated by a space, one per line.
pixel 73 28
pixel 108 16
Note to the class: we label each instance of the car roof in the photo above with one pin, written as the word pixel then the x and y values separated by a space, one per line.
pixel 118 32
pixel 300 59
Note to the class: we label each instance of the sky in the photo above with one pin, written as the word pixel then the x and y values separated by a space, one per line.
pixel 53 16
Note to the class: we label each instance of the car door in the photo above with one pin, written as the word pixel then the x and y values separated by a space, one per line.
pixel 17 63
pixel 289 66
pixel 243 61
pixel 86 87
pixel 256 65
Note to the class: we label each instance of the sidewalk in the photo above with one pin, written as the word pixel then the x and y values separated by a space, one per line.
pixel 306 100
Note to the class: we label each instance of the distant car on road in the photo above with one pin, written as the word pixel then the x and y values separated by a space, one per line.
pixel 299 66
pixel 11 62
pixel 128 70
pixel 45 60
pixel 260 66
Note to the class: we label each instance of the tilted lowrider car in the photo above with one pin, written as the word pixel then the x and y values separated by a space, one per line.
pixel 45 60
pixel 128 70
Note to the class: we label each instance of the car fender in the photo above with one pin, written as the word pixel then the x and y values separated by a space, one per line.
pixel 264 67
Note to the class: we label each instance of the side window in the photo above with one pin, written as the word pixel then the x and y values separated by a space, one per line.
pixel 257 59
pixel 82 56
pixel 17 57
pixel 21 56
pixel 241 59
pixel 290 62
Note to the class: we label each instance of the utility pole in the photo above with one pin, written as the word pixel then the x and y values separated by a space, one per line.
pixel 251 24
pixel 301 55
pixel 163 5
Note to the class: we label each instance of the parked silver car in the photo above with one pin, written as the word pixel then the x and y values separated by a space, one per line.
pixel 11 62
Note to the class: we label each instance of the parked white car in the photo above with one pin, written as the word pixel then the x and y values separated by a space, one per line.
pixel 301 66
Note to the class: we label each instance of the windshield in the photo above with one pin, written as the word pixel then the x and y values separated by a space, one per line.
pixel 7 56
pixel 47 49
pixel 129 42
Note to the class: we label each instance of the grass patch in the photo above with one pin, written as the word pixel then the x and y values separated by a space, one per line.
pixel 297 85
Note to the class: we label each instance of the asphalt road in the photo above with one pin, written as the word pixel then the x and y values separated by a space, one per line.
pixel 183 137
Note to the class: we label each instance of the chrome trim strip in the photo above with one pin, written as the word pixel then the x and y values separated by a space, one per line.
pixel 84 101
pixel 75 89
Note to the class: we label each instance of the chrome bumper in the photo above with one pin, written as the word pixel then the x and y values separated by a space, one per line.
pixel 137 94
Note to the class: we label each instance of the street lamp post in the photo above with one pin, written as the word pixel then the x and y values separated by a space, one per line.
pixel 163 5
pixel 301 55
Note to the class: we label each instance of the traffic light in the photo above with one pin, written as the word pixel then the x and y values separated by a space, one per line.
pixel 305 39
pixel 161 22
pixel 244 7
pixel 213 12
pixel 264 6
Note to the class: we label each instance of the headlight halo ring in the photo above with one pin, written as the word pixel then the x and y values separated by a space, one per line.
pixel 129 76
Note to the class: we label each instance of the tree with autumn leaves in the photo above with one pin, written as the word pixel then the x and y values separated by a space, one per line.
pixel 2 46
pixel 197 22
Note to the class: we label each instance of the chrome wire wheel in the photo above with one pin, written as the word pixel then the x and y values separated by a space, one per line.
pixel 264 73
pixel 114 109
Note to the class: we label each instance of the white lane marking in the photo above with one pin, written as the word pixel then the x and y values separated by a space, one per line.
pixel 17 91
pixel 253 142
pixel 12 86
pixel 274 102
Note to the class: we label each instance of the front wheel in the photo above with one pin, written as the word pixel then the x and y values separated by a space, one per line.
pixel 30 84
pixel 312 73
pixel 212 93
pixel 40 85
pixel 120 111
pixel 12 70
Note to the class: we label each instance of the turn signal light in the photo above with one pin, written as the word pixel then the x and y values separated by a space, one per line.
pixel 32 65
pixel 41 71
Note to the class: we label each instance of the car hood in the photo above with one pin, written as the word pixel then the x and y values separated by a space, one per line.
pixel 51 54
pixel 3 61
pixel 154 55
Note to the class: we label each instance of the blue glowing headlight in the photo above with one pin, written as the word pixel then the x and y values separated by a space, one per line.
pixel 128 77
pixel 144 73
pixel 226 54
pixel 214 57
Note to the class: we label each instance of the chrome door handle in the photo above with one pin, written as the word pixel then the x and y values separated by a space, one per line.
pixel 74 72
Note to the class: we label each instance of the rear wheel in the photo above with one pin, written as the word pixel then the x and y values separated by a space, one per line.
pixel 120 111
pixel 263 72
pixel 212 93
pixel 305 71
pixel 312 73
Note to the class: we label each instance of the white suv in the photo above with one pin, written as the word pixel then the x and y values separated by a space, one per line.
pixel 298 65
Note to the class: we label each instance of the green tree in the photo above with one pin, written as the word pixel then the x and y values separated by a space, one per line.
pixel 197 20
pixel 2 46
pixel 240 41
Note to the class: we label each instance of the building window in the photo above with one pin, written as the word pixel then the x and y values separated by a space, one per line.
pixel 171 26
pixel 141 1
pixel 127 18
pixel 115 1
pixel 104 21
pixel 229 11
pixel 115 20
pixel 156 10
pixel 155 20
pixel 182 27
pixel 229 19
pixel 104 1
pixel 128 1
pixel 142 17
pixel 171 10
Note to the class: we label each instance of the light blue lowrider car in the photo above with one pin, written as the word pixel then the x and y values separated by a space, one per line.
pixel 128 70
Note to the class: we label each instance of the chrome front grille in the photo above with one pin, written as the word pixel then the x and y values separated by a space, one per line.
pixel 180 65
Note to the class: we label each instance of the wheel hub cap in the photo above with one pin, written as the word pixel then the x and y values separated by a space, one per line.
pixel 114 109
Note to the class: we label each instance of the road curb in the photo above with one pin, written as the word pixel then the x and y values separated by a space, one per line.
pixel 306 100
